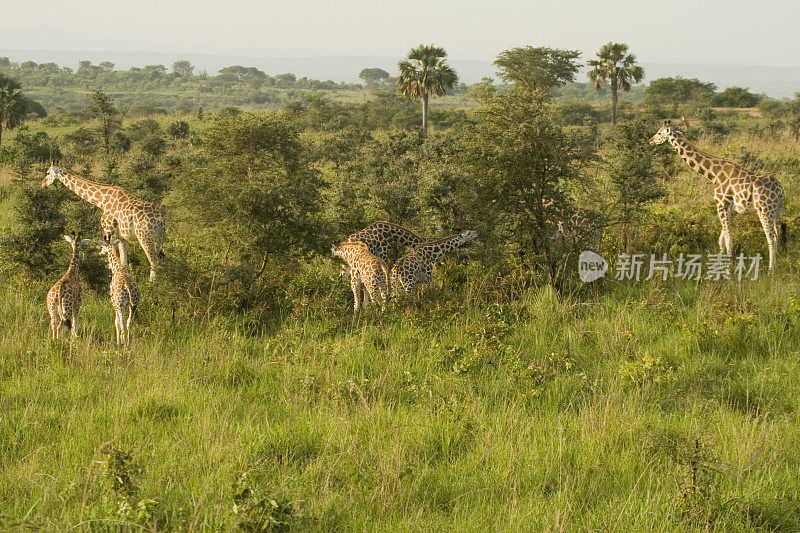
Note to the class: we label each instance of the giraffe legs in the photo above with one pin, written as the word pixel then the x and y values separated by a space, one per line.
pixel 725 217
pixel 151 250
pixel 355 285
pixel 52 310
pixel 770 230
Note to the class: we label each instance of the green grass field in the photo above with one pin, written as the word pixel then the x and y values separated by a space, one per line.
pixel 656 407
pixel 491 406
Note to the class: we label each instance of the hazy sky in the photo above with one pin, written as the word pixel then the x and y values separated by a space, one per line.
pixel 697 31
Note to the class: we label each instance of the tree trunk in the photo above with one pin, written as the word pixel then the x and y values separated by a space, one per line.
pixel 613 100
pixel 425 112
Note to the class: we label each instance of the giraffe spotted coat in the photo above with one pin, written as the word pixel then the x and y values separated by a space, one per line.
pixel 135 218
pixel 578 227
pixel 385 239
pixel 416 267
pixel 123 291
pixel 735 189
pixel 367 272
pixel 65 297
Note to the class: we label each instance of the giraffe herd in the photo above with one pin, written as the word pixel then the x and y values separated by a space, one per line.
pixel 367 252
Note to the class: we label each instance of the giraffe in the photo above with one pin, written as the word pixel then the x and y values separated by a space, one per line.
pixel 576 225
pixel 123 291
pixel 367 271
pixel 384 238
pixel 135 218
pixel 416 267
pixel 735 190
pixel 64 298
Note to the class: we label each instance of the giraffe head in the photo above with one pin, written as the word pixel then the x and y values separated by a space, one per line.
pixel 53 173
pixel 107 247
pixel 664 132
pixel 466 236
pixel 75 240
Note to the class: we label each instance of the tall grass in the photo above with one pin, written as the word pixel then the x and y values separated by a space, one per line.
pixel 658 407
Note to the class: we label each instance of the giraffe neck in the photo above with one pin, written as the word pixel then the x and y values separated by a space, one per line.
pixel 92 192
pixel 697 159
pixel 72 270
pixel 433 251
pixel 113 263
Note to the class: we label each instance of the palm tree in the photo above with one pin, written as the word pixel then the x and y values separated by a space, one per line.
pixel 15 106
pixel 618 67
pixel 423 73
pixel 9 103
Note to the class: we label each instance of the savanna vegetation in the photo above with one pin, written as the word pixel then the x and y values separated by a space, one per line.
pixel 510 396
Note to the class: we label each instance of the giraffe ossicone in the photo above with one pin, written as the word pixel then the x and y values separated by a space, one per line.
pixel 135 218
pixel 736 190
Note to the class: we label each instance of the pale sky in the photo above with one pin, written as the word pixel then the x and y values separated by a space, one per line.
pixel 675 31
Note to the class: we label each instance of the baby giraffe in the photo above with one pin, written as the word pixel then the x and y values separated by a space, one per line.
pixel 367 271
pixel 64 298
pixel 124 292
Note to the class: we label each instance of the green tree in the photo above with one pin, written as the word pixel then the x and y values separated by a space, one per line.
pixel 251 186
pixel 631 167
pixel 183 69
pixel 736 97
pixel 677 91
pixel 374 76
pixel 424 72
pixel 615 65
pixel 537 69
pixel 518 156
pixel 15 107
pixel 103 108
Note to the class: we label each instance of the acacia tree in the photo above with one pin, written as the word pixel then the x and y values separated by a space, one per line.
pixel 615 65
pixel 424 72
pixel 374 76
pixel 537 68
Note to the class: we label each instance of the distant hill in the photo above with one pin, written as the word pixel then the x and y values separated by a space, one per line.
pixel 777 82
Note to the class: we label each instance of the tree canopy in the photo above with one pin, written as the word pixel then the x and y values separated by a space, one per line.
pixel 537 68
pixel 425 72
pixel 615 65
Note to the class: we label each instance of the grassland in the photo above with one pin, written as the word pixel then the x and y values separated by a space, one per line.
pixel 494 405
pixel 660 407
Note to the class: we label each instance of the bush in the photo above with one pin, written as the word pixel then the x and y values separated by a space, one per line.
pixel 178 130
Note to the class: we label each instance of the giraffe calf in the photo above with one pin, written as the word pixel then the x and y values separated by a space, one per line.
pixel 123 291
pixel 64 298
pixel 367 272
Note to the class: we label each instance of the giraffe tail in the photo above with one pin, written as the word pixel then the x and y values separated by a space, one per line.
pixel 784 237
pixel 67 322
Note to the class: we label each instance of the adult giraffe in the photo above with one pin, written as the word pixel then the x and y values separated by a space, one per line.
pixel 134 217
pixel 735 188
